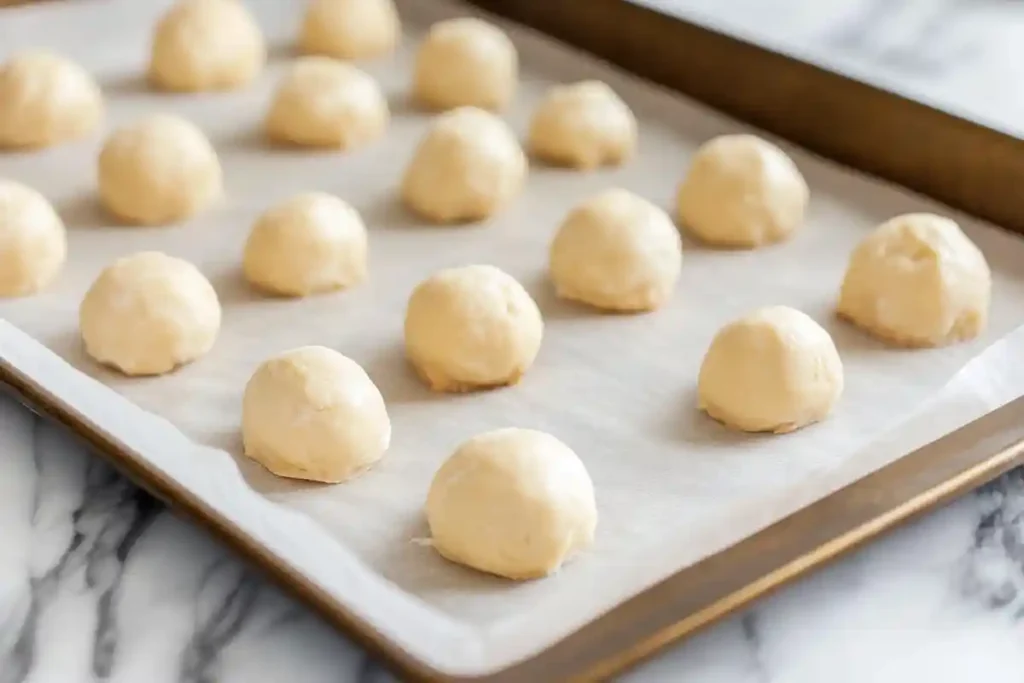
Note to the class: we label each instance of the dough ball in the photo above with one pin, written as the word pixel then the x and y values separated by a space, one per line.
pixel 148 313
pixel 917 280
pixel 471 327
pixel 206 45
pixel 742 191
pixel 512 502
pixel 312 413
pixel 583 125
pixel 46 99
pixel 616 251
pixel 465 62
pixel 350 29
pixel 310 243
pixel 774 370
pixel 466 168
pixel 159 170
pixel 326 103
pixel 33 245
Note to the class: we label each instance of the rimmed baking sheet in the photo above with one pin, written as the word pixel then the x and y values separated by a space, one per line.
pixel 673 487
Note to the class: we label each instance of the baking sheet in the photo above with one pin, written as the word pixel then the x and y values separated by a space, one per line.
pixel 672 486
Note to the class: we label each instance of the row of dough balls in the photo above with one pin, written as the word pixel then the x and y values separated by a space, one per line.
pixel 202 45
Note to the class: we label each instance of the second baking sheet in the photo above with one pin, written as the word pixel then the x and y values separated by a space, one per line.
pixel 672 485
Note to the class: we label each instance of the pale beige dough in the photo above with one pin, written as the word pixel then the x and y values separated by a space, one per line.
pixel 513 502
pixel 616 251
pixel 46 99
pixel 773 370
pixel 467 167
pixel 326 103
pixel 350 29
pixel 471 327
pixel 159 170
pixel 583 125
pixel 312 413
pixel 33 245
pixel 313 242
pixel 742 191
pixel 201 45
pixel 148 313
pixel 917 280
pixel 465 62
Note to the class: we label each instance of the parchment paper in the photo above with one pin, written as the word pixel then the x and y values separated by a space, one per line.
pixel 672 485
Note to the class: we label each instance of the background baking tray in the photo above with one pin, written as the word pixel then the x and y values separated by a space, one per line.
pixel 621 601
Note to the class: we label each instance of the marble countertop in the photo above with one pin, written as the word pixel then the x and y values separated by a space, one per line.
pixel 99 582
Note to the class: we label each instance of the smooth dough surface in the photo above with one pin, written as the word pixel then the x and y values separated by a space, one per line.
pixel 45 100
pixel 471 327
pixel 742 191
pixel 512 502
pixel 148 313
pixel 313 242
pixel 312 413
pixel 583 125
pixel 159 170
pixel 774 370
pixel 467 167
pixel 203 45
pixel 616 251
pixel 350 29
pixel 33 245
pixel 917 280
pixel 465 62
pixel 326 103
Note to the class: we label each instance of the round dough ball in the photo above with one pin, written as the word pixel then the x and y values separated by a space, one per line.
pixel 350 29
pixel 465 62
pixel 774 370
pixel 326 103
pixel 472 327
pixel 310 243
pixel 616 251
pixel 917 280
pixel 201 45
pixel 466 168
pixel 159 170
pixel 45 100
pixel 742 191
pixel 512 502
pixel 312 413
pixel 148 313
pixel 33 245
pixel 583 125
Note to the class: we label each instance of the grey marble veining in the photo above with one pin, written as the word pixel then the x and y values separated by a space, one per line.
pixel 98 582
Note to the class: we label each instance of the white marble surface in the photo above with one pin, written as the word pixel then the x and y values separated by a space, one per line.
pixel 99 583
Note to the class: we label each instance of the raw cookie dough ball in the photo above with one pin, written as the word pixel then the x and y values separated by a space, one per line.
pixel 158 170
pixel 46 99
pixel 616 251
pixel 583 125
pixel 350 29
pixel 742 191
pixel 512 502
pixel 206 45
pixel 917 280
pixel 326 103
pixel 466 168
pixel 148 313
pixel 774 370
pixel 310 243
pixel 312 413
pixel 470 328
pixel 33 246
pixel 465 62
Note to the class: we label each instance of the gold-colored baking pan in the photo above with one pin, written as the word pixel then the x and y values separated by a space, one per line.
pixel 958 162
